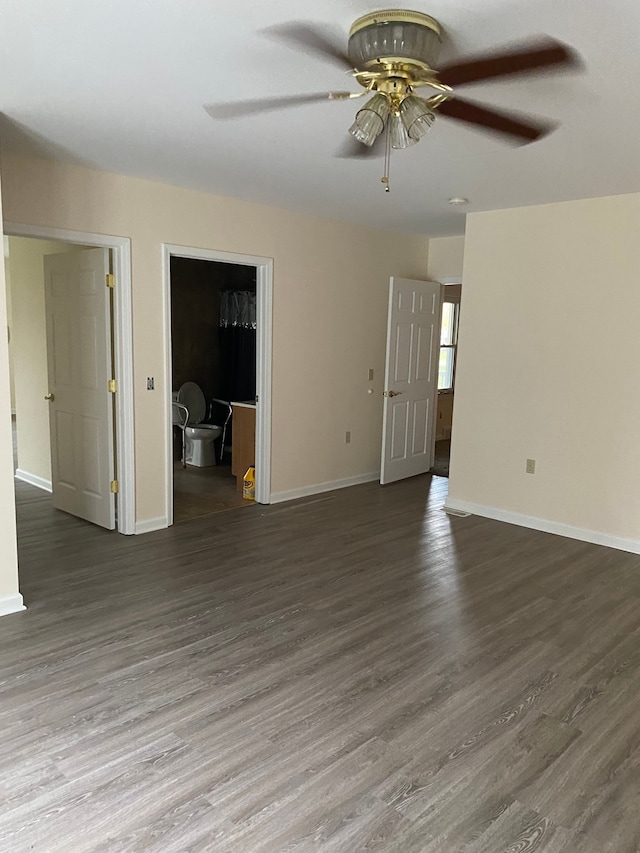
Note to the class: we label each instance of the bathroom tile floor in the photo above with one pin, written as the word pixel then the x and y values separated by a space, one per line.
pixel 204 491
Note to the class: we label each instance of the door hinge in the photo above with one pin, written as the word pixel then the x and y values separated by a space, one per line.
pixel 114 486
pixel 112 385
pixel 111 279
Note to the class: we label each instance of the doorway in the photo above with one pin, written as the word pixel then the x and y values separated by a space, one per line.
pixel 32 425
pixel 217 379
pixel 213 345
pixel 29 353
pixel 451 296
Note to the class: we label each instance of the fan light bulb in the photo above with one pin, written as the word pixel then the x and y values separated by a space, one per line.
pixel 370 120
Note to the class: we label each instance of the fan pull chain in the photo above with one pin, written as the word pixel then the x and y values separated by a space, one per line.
pixel 387 158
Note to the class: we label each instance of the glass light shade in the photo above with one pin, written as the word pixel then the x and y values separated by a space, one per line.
pixel 400 39
pixel 416 117
pixel 399 134
pixel 370 120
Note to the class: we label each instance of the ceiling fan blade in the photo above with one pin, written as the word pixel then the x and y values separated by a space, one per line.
pixel 310 38
pixel 240 109
pixel 497 121
pixel 530 56
pixel 351 149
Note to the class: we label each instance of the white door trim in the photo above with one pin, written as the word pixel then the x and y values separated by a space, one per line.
pixel 264 343
pixel 123 353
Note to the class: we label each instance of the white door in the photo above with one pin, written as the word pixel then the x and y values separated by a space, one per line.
pixel 411 378
pixel 81 405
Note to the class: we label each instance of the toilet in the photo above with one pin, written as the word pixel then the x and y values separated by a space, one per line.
pixel 199 437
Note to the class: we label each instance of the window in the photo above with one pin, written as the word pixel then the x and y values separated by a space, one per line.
pixel 448 345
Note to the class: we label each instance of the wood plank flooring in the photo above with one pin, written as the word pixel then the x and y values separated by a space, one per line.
pixel 352 672
pixel 204 491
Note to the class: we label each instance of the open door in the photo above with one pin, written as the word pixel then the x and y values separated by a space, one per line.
pixel 79 366
pixel 411 378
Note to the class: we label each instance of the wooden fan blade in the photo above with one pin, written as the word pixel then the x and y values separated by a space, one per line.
pixel 351 149
pixel 494 120
pixel 531 56
pixel 240 109
pixel 310 38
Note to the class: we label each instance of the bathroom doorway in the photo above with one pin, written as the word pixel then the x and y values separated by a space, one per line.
pixel 218 379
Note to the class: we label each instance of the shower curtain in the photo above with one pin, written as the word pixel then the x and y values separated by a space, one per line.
pixel 238 344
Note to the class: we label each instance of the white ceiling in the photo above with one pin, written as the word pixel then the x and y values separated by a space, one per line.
pixel 120 86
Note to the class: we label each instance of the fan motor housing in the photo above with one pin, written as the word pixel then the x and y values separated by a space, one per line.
pixel 394 36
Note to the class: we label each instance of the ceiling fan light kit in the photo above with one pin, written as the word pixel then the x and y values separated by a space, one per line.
pixel 393 52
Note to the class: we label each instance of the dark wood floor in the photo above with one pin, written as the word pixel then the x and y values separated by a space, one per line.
pixel 204 491
pixel 352 672
pixel 442 456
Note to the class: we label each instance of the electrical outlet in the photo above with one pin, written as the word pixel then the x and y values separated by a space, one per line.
pixel 371 374
pixel 531 466
pixel 347 437
pixel 150 383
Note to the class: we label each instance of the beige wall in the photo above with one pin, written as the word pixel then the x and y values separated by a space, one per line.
pixel 9 595
pixel 330 304
pixel 445 258
pixel 29 351
pixel 548 365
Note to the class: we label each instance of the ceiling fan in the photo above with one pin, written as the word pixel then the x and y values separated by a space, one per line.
pixel 392 54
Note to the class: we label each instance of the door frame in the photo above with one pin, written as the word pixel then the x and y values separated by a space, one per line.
pixel 264 345
pixel 124 447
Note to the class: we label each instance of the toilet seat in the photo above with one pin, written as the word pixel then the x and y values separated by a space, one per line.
pixel 191 397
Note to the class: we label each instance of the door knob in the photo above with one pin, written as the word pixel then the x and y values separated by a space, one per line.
pixel 391 393
pixel 50 397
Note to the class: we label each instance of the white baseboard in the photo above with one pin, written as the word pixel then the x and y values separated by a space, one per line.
pixel 11 604
pixel 151 524
pixel 33 480
pixel 543 524
pixel 318 488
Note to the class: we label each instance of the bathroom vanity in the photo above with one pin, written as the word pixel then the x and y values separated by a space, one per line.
pixel 243 452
